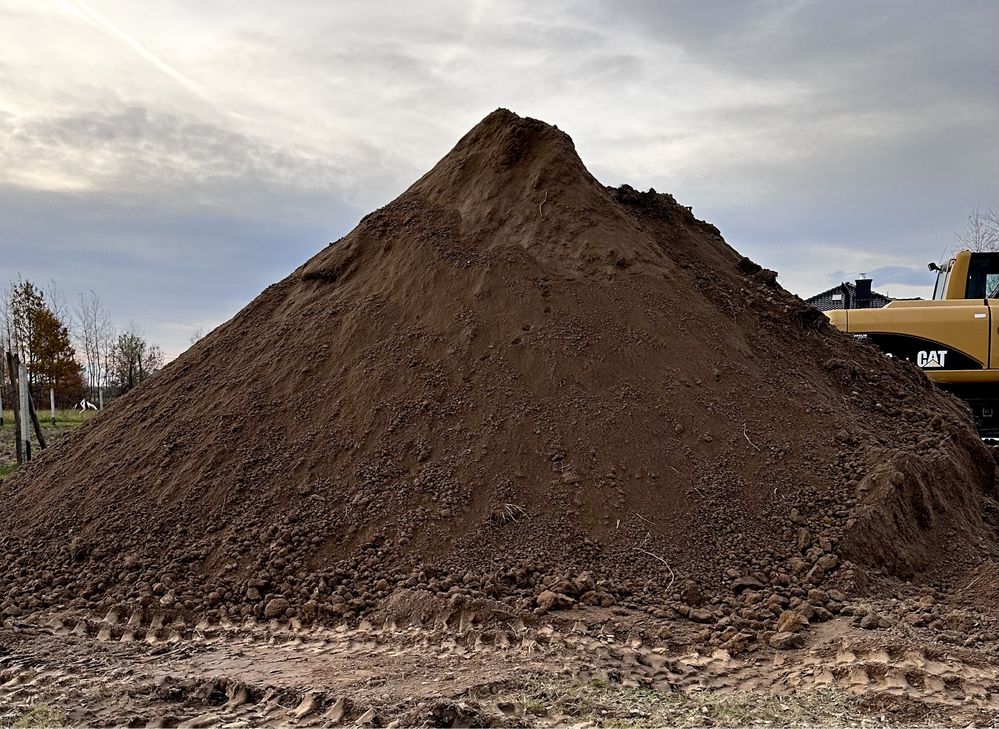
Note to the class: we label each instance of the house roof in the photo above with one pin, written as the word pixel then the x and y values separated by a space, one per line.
pixel 845 296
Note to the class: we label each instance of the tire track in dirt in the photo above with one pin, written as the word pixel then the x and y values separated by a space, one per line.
pixel 106 671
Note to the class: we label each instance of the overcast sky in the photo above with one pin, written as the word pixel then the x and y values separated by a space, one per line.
pixel 177 157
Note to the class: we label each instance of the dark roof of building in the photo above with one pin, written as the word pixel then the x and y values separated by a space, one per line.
pixel 833 298
pixel 838 288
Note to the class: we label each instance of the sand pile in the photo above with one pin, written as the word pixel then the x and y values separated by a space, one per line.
pixel 511 384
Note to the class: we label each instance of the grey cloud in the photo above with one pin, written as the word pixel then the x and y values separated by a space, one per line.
pixel 908 276
pixel 150 264
pixel 953 41
pixel 890 275
pixel 898 194
pixel 185 221
pixel 142 153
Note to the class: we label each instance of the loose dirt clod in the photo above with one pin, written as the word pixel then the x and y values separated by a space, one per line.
pixel 517 390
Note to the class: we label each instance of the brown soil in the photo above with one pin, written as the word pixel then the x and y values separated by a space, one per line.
pixel 519 389
pixel 589 672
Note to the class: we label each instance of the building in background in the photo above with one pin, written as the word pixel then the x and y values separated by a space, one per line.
pixel 856 295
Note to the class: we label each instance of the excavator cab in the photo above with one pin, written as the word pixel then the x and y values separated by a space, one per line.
pixel 967 276
pixel 954 338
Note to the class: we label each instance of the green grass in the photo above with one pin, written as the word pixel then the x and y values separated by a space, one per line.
pixel 66 421
pixel 63 417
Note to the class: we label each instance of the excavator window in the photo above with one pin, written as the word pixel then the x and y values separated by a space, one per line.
pixel 983 276
pixel 992 285
pixel 943 276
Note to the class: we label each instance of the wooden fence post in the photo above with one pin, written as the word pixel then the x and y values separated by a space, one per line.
pixel 39 433
pixel 24 407
pixel 52 403
pixel 12 374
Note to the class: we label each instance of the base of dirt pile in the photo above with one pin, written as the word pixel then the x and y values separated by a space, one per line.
pixel 893 663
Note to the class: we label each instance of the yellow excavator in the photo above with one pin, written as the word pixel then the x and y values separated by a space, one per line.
pixel 954 338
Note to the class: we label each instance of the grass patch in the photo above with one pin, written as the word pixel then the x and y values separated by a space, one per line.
pixel 612 705
pixel 63 417
pixel 38 717
pixel 66 422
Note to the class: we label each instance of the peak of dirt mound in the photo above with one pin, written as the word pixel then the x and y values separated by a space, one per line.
pixel 510 386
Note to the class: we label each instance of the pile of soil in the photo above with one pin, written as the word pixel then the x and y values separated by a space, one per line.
pixel 510 386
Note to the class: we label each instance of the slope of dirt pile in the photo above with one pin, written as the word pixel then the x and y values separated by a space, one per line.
pixel 512 386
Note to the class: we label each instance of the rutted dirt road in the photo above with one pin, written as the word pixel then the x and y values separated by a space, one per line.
pixel 125 671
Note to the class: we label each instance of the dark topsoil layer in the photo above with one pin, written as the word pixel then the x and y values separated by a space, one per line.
pixel 511 385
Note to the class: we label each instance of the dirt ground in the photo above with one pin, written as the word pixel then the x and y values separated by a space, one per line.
pixel 593 667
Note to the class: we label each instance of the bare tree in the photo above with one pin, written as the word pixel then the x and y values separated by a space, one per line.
pixel 56 300
pixel 7 320
pixel 133 359
pixel 94 333
pixel 981 232
pixel 196 335
pixel 105 345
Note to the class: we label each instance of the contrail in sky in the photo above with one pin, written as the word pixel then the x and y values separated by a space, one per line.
pixel 80 8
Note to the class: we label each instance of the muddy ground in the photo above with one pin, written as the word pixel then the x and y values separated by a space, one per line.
pixel 592 667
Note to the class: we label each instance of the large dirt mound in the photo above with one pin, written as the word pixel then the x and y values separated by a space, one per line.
pixel 511 383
